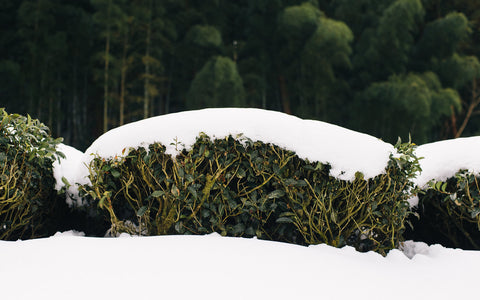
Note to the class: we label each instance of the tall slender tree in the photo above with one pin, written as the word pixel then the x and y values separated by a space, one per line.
pixel 108 17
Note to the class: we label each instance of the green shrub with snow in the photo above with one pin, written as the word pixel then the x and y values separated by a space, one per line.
pixel 240 187
pixel 27 195
pixel 449 204
pixel 449 212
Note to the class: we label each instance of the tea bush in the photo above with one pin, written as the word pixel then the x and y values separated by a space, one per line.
pixel 27 195
pixel 449 212
pixel 238 187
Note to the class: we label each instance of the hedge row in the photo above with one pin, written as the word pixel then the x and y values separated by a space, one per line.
pixel 449 212
pixel 238 187
pixel 232 186
pixel 28 201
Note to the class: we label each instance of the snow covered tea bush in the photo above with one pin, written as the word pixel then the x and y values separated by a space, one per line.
pixel 449 212
pixel 27 195
pixel 449 205
pixel 240 187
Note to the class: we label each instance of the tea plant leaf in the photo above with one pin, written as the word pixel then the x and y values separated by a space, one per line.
pixel 141 211
pixel 115 173
pixel 157 194
pixel 284 220
pixel 276 194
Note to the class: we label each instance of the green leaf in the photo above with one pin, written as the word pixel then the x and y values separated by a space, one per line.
pixel 193 192
pixel 276 169
pixel 157 194
pixel 181 173
pixel 290 181
pixel 250 231
pixel 276 194
pixel 238 229
pixel 65 181
pixel 284 220
pixel 175 191
pixel 333 216
pixel 115 173
pixel 241 173
pixel 444 187
pixel 141 211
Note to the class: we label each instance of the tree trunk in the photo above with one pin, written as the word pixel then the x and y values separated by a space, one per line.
pixel 453 122
pixel 284 95
pixel 169 88
pixel 33 93
pixel 107 60
pixel 471 107
pixel 146 95
pixel 75 115
pixel 123 76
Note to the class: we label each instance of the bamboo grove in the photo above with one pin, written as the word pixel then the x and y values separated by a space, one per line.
pixel 385 67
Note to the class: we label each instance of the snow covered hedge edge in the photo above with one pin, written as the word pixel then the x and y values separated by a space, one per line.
pixel 250 172
pixel 238 187
pixel 28 200
pixel 449 204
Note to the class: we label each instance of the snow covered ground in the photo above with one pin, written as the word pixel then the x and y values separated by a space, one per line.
pixel 70 266
pixel 66 266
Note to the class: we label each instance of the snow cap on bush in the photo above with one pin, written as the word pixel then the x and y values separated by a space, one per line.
pixel 441 160
pixel 346 151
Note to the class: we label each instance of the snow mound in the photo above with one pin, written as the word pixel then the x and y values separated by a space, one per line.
pixel 441 160
pixel 68 266
pixel 346 151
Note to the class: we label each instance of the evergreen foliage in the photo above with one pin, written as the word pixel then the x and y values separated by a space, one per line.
pixel 89 65
pixel 413 103
pixel 238 187
pixel 449 212
pixel 27 197
pixel 218 84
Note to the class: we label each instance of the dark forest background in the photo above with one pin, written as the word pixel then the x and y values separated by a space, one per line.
pixel 384 67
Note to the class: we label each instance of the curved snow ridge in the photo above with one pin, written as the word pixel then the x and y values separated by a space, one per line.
pixel 66 167
pixel 345 150
pixel 441 160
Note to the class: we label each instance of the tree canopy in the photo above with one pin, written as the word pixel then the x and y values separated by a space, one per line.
pixel 389 68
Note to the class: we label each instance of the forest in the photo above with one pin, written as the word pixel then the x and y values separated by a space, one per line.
pixel 389 68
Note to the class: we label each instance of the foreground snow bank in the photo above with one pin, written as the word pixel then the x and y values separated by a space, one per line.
pixel 345 150
pixel 441 160
pixel 212 267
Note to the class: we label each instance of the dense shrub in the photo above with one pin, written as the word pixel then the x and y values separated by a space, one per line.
pixel 238 187
pixel 27 195
pixel 449 212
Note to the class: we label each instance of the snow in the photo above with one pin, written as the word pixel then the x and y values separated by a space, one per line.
pixel 441 160
pixel 71 266
pixel 67 167
pixel 68 266
pixel 346 151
